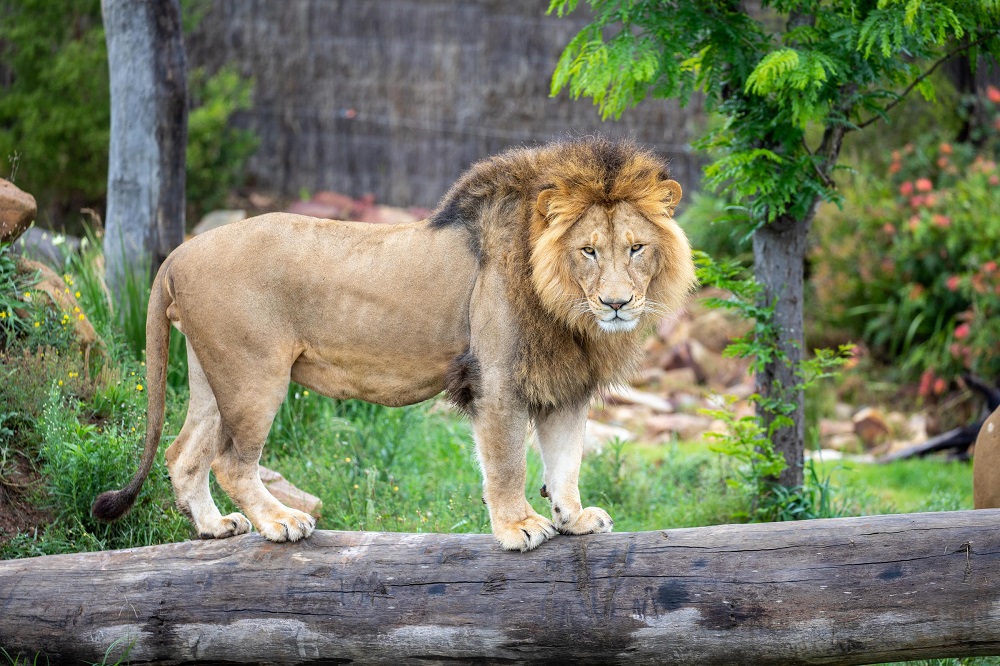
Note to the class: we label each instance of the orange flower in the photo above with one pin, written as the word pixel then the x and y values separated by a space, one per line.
pixel 993 94
pixel 924 185
pixel 945 148
pixel 942 221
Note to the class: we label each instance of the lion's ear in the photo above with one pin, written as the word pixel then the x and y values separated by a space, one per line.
pixel 671 194
pixel 542 202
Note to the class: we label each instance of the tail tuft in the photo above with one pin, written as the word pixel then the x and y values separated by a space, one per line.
pixel 112 505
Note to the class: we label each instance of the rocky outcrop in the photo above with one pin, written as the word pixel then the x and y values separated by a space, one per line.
pixel 17 211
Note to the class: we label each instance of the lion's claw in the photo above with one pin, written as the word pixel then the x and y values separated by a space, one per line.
pixel 526 534
pixel 592 520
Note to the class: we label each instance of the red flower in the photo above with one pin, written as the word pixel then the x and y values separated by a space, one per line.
pixel 942 221
pixel 993 94
pixel 930 200
pixel 962 331
pixel 888 229
pixel 914 222
pixel 953 282
pixel 942 162
pixel 916 202
pixel 895 167
pixel 924 185
pixel 945 148
pixel 939 386
pixel 906 189
pixel 994 180
pixel 989 266
pixel 926 381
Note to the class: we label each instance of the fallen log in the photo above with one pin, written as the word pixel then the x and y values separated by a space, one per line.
pixel 844 591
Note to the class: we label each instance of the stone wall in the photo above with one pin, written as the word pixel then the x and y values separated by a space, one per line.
pixel 397 97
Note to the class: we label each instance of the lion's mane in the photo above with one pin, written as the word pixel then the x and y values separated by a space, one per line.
pixel 561 360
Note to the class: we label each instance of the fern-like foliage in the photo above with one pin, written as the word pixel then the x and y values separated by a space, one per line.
pixel 836 65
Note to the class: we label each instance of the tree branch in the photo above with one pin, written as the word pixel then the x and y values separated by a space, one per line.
pixel 916 81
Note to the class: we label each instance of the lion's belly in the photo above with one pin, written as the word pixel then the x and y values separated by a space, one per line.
pixel 385 379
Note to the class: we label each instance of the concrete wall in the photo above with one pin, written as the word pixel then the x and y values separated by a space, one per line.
pixel 397 97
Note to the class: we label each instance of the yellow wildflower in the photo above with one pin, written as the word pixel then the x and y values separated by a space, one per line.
pixel 305 393
pixel 37 324
pixel 82 317
pixel 138 387
pixel 60 382
pixel 347 460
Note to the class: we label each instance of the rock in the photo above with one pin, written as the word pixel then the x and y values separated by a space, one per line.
pixel 847 441
pixel 679 379
pixel 685 426
pixel 598 434
pixel 288 494
pixel 218 218
pixel 870 426
pixel 832 427
pixel 46 246
pixel 387 215
pixel 53 286
pixel 632 396
pixel 260 200
pixel 17 211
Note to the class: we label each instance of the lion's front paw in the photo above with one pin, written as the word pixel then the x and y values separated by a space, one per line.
pixel 524 535
pixel 224 526
pixel 591 520
pixel 287 525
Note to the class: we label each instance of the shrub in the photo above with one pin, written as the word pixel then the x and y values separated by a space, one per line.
pixel 910 264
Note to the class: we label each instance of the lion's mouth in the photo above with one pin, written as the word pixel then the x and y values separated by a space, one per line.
pixel 617 324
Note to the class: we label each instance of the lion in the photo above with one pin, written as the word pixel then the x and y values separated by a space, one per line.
pixel 525 292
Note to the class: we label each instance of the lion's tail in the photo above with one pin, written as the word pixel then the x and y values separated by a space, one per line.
pixel 114 504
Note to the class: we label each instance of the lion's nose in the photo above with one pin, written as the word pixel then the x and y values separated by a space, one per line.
pixel 616 304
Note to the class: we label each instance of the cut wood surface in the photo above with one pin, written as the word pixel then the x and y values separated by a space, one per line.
pixel 844 591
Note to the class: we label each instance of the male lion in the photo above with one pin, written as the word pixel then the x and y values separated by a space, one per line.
pixel 525 292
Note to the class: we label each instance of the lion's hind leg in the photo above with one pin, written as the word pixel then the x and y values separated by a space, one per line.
pixel 190 456
pixel 248 405
pixel 560 440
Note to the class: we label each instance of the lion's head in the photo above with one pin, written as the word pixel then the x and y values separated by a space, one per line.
pixel 606 253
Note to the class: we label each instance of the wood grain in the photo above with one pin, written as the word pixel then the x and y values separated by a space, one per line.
pixel 842 591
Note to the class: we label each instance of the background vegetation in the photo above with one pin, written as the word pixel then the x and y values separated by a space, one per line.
pixel 55 111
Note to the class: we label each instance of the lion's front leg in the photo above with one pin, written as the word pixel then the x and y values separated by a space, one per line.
pixel 560 439
pixel 500 435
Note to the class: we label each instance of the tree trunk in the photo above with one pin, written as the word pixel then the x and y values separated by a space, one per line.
pixel 145 212
pixel 779 251
pixel 842 591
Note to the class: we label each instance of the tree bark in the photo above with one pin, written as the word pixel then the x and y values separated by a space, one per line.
pixel 145 212
pixel 843 591
pixel 779 251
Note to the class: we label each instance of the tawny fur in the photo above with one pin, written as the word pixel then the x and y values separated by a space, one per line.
pixel 499 297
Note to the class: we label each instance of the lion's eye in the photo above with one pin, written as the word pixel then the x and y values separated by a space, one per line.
pixel 637 247
pixel 589 251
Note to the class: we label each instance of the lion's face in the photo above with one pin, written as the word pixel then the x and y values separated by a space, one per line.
pixel 602 268
pixel 613 255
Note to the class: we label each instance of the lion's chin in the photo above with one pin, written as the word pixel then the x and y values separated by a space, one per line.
pixel 618 325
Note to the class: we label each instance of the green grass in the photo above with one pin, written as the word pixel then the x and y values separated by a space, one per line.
pixel 905 486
